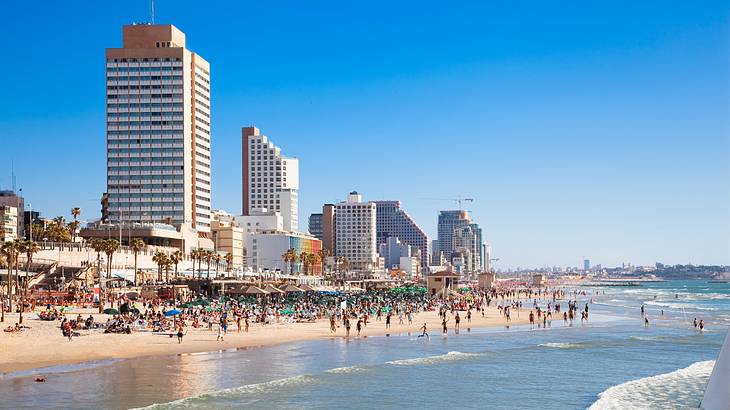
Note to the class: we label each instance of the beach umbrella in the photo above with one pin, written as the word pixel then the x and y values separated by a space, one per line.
pixel 292 289
pixel 307 288
pixel 172 312
pixel 271 289
pixel 111 311
pixel 253 290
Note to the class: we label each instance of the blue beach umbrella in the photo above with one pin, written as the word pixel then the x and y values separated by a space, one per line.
pixel 172 312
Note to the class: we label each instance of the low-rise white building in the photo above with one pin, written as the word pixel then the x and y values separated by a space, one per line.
pixel 8 223
pixel 265 250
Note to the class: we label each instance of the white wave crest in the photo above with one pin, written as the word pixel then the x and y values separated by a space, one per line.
pixel 203 400
pixel 559 345
pixel 681 388
pixel 347 370
pixel 448 357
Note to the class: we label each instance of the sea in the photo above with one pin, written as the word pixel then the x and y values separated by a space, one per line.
pixel 613 361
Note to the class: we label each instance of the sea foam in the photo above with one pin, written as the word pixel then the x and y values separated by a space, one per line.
pixel 448 357
pixel 678 389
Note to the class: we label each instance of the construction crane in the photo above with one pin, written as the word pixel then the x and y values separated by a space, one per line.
pixel 458 199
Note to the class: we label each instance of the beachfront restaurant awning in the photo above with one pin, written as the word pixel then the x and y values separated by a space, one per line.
pixel 292 289
pixel 271 289
pixel 253 290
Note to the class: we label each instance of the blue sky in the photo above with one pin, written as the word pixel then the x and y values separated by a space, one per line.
pixel 582 130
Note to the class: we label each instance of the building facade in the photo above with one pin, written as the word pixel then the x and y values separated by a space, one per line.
pixel 315 226
pixel 270 180
pixel 265 250
pixel 8 223
pixel 393 221
pixel 355 232
pixel 158 130
pixel 329 239
pixel 447 222
pixel 10 198
pixel 228 237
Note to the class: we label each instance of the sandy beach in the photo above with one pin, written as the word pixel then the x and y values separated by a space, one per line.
pixel 43 344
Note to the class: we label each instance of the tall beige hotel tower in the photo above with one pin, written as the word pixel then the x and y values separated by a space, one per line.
pixel 158 129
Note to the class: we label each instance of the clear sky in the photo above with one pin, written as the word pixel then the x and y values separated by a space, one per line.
pixel 582 130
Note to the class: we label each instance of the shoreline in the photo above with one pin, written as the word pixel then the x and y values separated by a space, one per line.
pixel 43 346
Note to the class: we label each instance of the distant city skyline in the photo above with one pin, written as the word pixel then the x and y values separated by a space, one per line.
pixel 583 131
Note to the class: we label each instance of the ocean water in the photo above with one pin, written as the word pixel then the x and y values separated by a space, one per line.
pixel 611 362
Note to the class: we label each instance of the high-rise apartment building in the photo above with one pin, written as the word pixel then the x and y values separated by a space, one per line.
pixel 158 129
pixel 270 180
pixel 315 226
pixel 329 240
pixel 355 231
pixel 393 221
pixel 467 243
pixel 447 222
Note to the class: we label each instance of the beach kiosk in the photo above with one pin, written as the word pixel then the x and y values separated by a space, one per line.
pixel 442 282
pixel 486 280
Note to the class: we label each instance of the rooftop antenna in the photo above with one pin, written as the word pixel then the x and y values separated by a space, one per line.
pixel 152 10
pixel 12 174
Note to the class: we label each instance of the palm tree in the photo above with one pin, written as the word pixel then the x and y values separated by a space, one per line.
pixel 97 245
pixel 208 256
pixel 30 248
pixel 10 249
pixel 323 254
pixel 39 232
pixel 312 260
pixel 175 258
pixel 166 266
pixel 160 258
pixel 75 212
pixel 201 255
pixel 229 262
pixel 136 245
pixel 110 246
pixel 303 260
pixel 217 258
pixel 290 257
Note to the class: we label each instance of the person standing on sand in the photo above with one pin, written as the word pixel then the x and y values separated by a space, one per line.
pixel 179 333
pixel 410 318
pixel 220 333
pixel 347 326
pixel 358 326
pixel 457 320
pixel 443 324
pixel 387 321
pixel 532 320
pixel 468 316
pixel 333 326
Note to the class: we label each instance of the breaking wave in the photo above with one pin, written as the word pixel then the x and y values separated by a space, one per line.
pixel 682 388
pixel 205 400
pixel 448 357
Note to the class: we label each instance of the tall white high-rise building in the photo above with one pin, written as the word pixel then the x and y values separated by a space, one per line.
pixel 158 129
pixel 355 231
pixel 270 180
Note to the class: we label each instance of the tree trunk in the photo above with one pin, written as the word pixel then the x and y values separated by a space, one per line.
pixel 135 269
pixel 101 278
